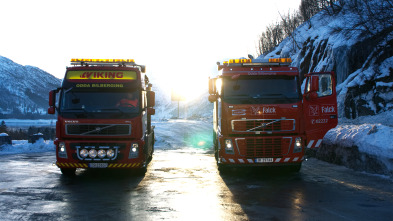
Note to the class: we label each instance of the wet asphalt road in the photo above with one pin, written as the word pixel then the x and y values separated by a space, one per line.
pixel 185 185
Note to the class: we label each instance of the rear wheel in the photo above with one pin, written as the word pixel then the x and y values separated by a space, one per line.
pixel 68 171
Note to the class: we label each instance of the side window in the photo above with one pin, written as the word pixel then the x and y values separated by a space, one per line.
pixel 325 85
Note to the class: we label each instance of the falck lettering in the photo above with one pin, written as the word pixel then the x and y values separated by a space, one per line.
pixel 328 109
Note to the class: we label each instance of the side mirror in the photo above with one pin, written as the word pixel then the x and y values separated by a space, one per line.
pixel 151 99
pixel 151 111
pixel 52 98
pixel 51 110
pixel 212 86
pixel 213 98
pixel 52 102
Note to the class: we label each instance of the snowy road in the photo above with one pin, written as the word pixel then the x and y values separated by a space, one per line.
pixel 182 183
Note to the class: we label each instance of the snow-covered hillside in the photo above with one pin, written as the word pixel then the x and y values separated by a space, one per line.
pixel 24 89
pixel 358 48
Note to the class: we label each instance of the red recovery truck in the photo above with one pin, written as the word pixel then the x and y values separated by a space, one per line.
pixel 104 116
pixel 260 116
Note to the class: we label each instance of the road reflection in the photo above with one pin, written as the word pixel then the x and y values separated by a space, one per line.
pixel 267 193
pixel 186 186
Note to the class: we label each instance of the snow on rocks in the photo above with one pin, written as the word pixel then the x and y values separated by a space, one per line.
pixel 363 144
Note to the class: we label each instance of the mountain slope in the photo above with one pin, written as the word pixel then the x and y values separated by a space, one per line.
pixel 24 90
pixel 358 47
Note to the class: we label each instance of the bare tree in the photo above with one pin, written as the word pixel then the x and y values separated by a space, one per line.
pixel 289 23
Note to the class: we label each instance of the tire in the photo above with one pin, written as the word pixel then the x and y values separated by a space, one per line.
pixel 223 169
pixel 68 171
pixel 140 171
pixel 295 168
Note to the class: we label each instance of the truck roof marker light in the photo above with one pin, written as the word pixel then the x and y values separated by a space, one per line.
pixel 280 60
pixel 239 61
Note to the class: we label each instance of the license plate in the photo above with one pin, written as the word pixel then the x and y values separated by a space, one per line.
pixel 264 160
pixel 98 165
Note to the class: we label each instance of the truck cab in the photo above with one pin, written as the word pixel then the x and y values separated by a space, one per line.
pixel 104 109
pixel 262 118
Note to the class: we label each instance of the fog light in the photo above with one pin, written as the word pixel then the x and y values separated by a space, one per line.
pixel 298 145
pixel 110 153
pixel 62 150
pixel 228 146
pixel 83 153
pixel 101 153
pixel 92 153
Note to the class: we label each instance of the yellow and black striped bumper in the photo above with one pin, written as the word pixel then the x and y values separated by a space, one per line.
pixel 110 165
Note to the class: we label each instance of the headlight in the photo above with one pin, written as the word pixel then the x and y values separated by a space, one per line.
pixel 110 153
pixel 62 150
pixel 83 153
pixel 228 146
pixel 134 147
pixel 92 153
pixel 101 153
pixel 298 145
pixel 134 151
pixel 62 147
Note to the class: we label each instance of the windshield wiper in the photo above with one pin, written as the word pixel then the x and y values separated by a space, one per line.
pixel 113 109
pixel 78 109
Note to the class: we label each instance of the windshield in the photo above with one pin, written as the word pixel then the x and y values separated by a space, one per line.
pixel 87 103
pixel 261 89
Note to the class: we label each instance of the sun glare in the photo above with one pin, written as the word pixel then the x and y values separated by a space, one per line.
pixel 188 89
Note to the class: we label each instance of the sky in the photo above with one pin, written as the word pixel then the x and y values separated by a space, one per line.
pixel 178 41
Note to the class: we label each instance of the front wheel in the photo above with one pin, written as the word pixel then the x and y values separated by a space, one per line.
pixel 68 171
pixel 295 168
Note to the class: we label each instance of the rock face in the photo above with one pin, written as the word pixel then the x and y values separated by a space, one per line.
pixel 374 94
pixel 362 59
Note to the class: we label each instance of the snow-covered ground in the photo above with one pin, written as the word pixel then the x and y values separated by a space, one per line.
pixel 24 124
pixel 22 146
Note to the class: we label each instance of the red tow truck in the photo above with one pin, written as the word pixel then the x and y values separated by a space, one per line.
pixel 261 117
pixel 104 111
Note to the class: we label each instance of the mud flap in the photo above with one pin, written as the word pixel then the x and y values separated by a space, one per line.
pixel 320 106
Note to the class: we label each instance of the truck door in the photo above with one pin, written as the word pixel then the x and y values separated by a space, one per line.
pixel 320 106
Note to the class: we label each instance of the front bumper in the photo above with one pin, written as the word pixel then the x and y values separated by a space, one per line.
pixel 124 157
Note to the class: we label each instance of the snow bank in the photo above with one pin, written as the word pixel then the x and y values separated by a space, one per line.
pixel 22 146
pixel 373 139
pixel 363 144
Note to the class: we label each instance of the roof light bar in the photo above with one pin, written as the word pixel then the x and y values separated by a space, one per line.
pixel 106 62
pixel 256 62
pixel 103 60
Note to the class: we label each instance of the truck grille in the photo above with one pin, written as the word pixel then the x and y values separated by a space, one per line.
pixel 263 125
pixel 98 129
pixel 264 147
